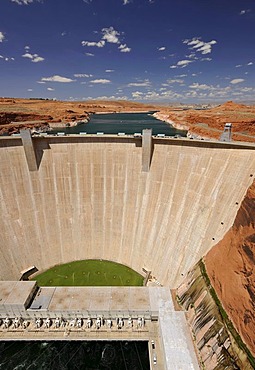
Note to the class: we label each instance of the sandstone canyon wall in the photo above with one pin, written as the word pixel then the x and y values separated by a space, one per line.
pixel 231 268
pixel 218 344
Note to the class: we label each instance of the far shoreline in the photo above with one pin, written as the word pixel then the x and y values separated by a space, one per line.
pixel 164 118
pixel 128 112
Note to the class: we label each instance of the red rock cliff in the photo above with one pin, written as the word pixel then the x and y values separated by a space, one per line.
pixel 231 267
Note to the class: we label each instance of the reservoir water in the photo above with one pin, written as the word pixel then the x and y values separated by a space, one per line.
pixel 128 123
pixel 74 355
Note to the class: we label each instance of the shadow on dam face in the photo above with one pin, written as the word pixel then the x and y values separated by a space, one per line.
pixel 89 199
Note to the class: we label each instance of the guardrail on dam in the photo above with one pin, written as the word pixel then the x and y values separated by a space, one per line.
pixel 89 198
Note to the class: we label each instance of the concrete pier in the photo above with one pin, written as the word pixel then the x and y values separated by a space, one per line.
pixel 147 149
pixel 29 149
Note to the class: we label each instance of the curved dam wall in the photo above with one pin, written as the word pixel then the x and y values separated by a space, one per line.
pixel 90 199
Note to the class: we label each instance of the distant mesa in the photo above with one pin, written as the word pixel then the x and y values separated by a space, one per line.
pixel 230 105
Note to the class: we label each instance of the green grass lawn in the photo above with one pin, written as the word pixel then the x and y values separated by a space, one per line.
pixel 89 273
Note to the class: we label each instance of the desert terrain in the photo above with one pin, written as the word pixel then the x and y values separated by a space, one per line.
pixel 209 123
pixel 40 115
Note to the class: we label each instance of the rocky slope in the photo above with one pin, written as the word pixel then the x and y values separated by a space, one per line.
pixel 231 267
pixel 217 342
pixel 210 123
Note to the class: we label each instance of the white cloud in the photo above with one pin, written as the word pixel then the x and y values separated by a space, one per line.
pixel 81 75
pixel 50 89
pixel 6 59
pixel 28 55
pixel 207 92
pixel 151 95
pixel 236 81
pixel 89 54
pixel 162 48
pixel 181 76
pixel 238 65
pixel 140 84
pixel 125 2
pixel 100 81
pixel 176 81
pixel 29 89
pixel 198 86
pixel 183 63
pixel 250 64
pixel 87 1
pixel 137 94
pixel 2 37
pixel 25 2
pixel 198 45
pixel 35 58
pixel 110 35
pixel 244 11
pixel 237 93
pixel 196 91
pixel 41 82
pixel 99 44
pixel 124 49
pixel 156 96
pixel 206 59
pixel 169 94
pixel 192 56
pixel 109 70
pixel 104 97
pixel 246 89
pixel 57 78
pixel 205 49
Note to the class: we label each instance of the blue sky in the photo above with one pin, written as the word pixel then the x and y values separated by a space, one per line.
pixel 143 50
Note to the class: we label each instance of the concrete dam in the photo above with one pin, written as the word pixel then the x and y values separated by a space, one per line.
pixel 92 197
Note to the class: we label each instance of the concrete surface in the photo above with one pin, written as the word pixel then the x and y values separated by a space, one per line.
pixel 90 199
pixel 173 348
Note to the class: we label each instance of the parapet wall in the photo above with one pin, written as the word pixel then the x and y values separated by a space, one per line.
pixel 90 199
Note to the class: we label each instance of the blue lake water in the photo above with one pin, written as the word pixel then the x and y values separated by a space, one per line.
pixel 128 123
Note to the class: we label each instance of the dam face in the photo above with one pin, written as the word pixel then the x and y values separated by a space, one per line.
pixel 90 199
